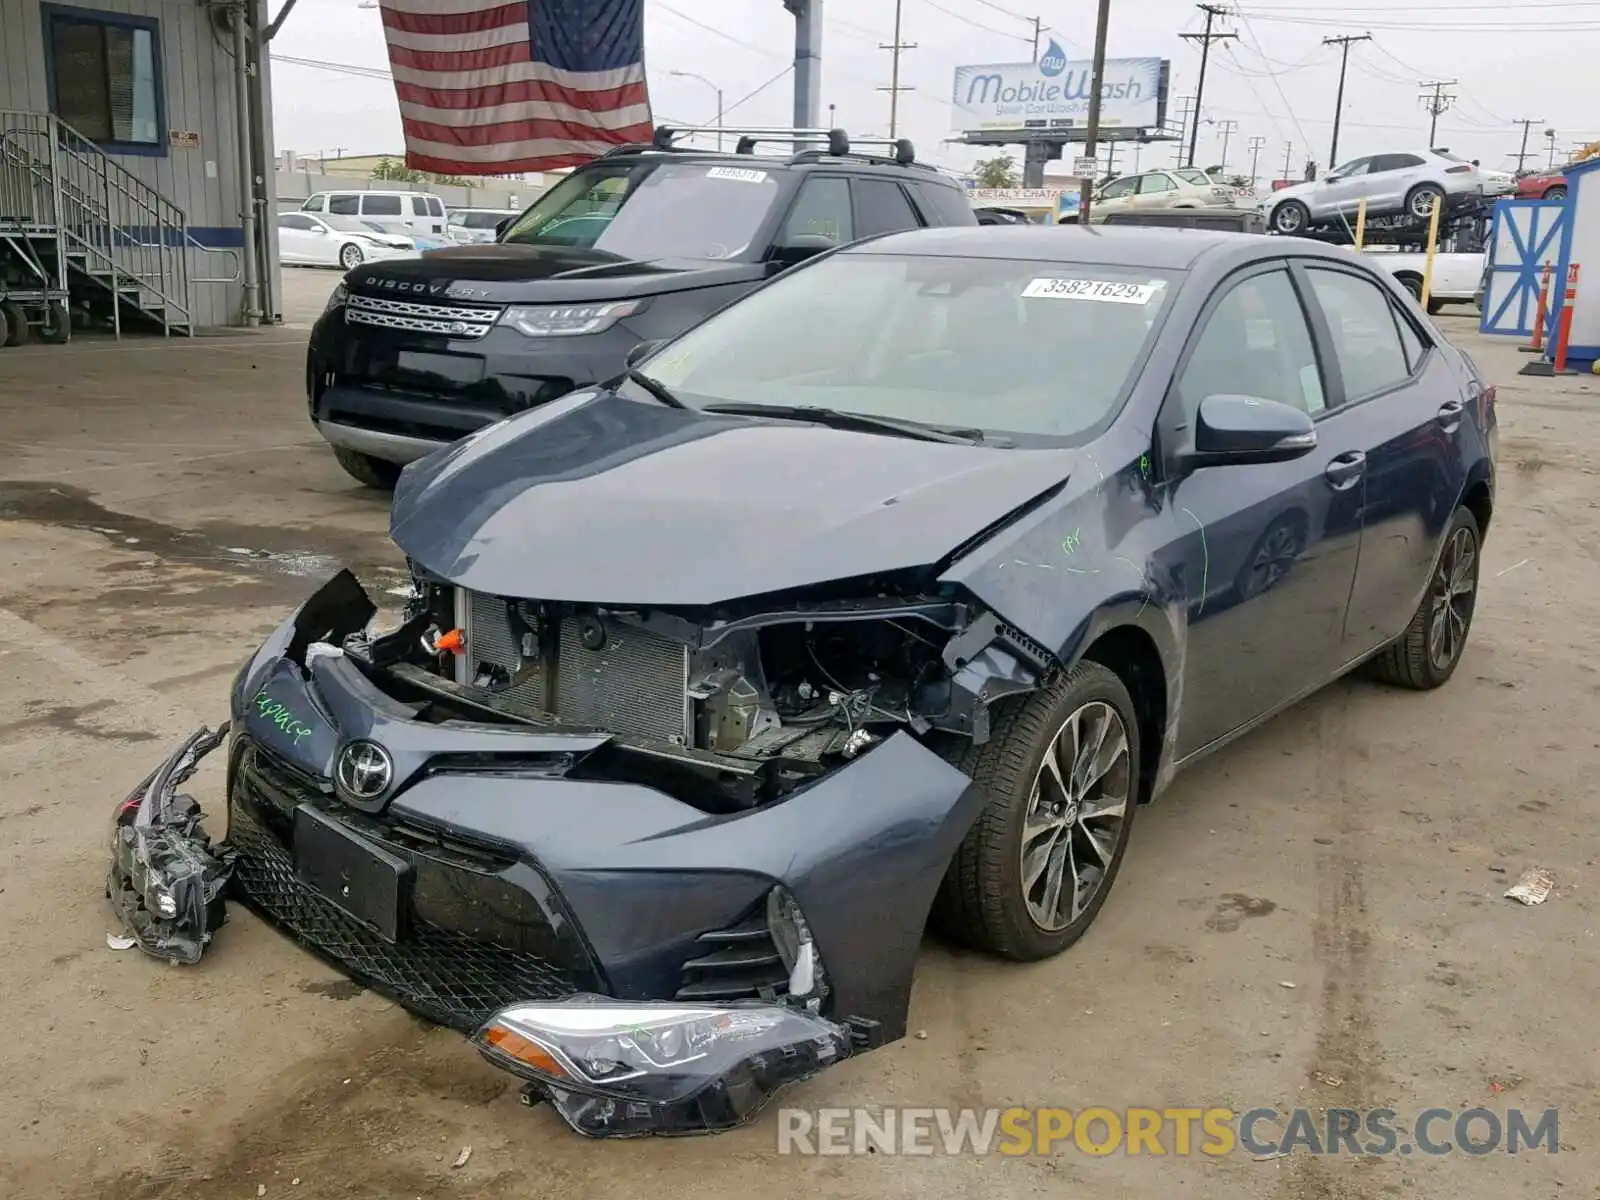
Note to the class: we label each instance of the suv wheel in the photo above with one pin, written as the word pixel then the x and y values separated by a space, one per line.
pixel 1062 775
pixel 363 468
pixel 1290 217
pixel 1426 654
pixel 1421 199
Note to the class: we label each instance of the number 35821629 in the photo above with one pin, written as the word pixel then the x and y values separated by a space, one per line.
pixel 1103 290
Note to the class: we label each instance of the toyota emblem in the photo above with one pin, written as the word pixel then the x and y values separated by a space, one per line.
pixel 364 770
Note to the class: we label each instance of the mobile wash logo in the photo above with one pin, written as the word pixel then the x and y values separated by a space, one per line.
pixel 1053 61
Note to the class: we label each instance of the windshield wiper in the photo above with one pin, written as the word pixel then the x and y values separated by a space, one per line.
pixel 656 388
pixel 837 419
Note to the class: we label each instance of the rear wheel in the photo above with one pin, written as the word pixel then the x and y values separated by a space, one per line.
pixel 57 327
pixel 1062 775
pixel 1290 217
pixel 1558 192
pixel 1426 654
pixel 1421 199
pixel 363 468
pixel 16 321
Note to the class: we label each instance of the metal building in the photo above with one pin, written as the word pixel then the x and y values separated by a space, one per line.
pixel 128 182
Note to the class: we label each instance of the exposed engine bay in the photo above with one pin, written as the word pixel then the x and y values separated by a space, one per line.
pixel 727 710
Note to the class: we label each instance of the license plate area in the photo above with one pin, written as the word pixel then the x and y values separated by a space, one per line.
pixel 362 879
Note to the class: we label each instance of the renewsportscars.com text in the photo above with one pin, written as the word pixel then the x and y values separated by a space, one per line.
pixel 1179 1132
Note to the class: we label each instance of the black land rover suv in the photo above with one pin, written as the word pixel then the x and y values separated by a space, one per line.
pixel 639 244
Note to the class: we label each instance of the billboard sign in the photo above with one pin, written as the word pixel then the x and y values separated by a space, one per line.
pixel 1053 93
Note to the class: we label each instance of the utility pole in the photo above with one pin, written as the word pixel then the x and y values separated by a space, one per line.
pixel 1186 109
pixel 1436 101
pixel 1038 28
pixel 894 89
pixel 1288 157
pixel 1205 39
pixel 1343 43
pixel 1096 83
pixel 1225 128
pixel 1255 157
pixel 1522 154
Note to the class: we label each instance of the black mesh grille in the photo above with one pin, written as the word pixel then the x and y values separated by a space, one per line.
pixel 436 973
pixel 739 963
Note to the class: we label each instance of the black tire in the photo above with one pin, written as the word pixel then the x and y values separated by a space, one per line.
pixel 1558 192
pixel 1410 660
pixel 16 325
pixel 1412 284
pixel 1290 217
pixel 363 468
pixel 57 327
pixel 350 256
pixel 982 901
pixel 1421 199
pixel 1435 307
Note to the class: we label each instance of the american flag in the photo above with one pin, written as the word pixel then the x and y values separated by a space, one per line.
pixel 490 88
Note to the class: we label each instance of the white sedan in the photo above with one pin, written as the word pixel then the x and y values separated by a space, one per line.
pixel 312 239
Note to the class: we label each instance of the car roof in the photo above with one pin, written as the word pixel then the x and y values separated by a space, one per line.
pixel 1108 245
pixel 812 161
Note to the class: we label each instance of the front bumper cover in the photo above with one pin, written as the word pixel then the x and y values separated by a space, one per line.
pixel 618 888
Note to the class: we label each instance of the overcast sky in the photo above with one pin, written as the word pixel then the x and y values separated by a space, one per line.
pixel 1276 80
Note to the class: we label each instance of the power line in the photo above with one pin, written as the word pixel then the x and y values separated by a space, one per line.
pixel 950 12
pixel 1343 42
pixel 1266 110
pixel 1276 82
pixel 1225 127
pixel 1442 9
pixel 1436 101
pixel 1205 39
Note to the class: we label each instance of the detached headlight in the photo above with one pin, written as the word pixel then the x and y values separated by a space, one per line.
pixel 568 320
pixel 337 299
pixel 617 1068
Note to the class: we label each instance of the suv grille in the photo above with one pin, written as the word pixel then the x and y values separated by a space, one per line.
pixel 636 683
pixel 453 320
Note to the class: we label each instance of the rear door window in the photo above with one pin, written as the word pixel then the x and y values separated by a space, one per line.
pixel 822 208
pixel 380 204
pixel 881 207
pixel 435 206
pixel 419 206
pixel 1365 339
pixel 347 205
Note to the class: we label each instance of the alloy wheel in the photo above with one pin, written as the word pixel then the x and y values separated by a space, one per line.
pixel 1454 590
pixel 350 257
pixel 1073 822
pixel 1422 203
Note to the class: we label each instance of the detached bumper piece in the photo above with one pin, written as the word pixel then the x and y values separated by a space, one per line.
pixel 167 881
pixel 614 1068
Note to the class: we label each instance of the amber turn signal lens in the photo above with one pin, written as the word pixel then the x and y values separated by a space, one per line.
pixel 525 1051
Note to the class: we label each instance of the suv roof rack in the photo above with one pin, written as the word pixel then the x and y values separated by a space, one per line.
pixel 837 143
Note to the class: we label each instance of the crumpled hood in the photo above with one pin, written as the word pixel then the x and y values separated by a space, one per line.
pixel 508 273
pixel 598 498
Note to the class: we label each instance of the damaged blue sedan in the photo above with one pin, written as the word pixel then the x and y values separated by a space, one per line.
pixel 887 594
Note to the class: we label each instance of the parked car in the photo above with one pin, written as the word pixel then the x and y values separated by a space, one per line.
pixel 1456 276
pixel 1389 183
pixel 472 226
pixel 1542 187
pixel 993 215
pixel 306 239
pixel 839 612
pixel 1181 187
pixel 397 212
pixel 640 243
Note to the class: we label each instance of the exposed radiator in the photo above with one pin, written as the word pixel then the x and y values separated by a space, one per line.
pixel 635 683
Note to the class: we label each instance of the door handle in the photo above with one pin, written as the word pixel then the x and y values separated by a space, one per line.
pixel 1346 470
pixel 1450 414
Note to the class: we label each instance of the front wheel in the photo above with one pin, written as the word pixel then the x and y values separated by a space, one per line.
pixel 1290 217
pixel 350 256
pixel 1061 772
pixel 1427 653
pixel 1555 193
pixel 363 468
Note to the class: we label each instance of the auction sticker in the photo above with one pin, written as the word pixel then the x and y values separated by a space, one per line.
pixel 1091 289
pixel 742 174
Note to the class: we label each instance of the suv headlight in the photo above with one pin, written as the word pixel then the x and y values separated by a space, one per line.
pixel 568 320
pixel 337 299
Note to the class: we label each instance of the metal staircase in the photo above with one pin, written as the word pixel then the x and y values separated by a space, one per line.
pixel 85 226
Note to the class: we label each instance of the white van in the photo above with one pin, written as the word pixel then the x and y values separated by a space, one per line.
pixel 396 212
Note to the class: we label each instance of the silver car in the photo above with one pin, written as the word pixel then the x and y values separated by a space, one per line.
pixel 1389 183
pixel 470 226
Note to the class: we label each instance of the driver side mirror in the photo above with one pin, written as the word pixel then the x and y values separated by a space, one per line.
pixel 800 247
pixel 1233 430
